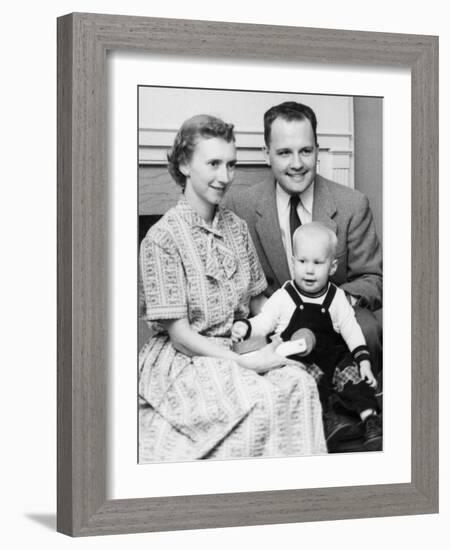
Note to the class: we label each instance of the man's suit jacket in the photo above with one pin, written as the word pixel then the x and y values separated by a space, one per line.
pixel 344 210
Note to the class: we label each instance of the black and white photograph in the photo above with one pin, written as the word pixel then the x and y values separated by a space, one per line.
pixel 260 281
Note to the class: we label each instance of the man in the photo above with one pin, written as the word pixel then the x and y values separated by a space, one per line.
pixel 296 194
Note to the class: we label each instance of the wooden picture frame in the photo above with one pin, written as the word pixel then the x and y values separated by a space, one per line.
pixel 83 42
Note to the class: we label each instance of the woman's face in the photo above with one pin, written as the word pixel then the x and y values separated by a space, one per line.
pixel 209 173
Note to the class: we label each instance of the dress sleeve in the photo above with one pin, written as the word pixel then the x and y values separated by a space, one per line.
pixel 258 281
pixel 164 281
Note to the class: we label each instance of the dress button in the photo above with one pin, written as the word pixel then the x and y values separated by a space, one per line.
pixel 323 310
pixel 302 307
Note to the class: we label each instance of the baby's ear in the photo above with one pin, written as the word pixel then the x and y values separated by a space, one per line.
pixel 334 266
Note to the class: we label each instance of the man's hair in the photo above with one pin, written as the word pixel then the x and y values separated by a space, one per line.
pixel 289 110
pixel 192 130
pixel 318 227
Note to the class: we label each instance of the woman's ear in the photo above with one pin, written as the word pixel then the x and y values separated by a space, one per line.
pixel 184 169
pixel 334 266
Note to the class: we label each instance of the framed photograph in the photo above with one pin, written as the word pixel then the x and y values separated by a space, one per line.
pixel 349 131
pixel 110 68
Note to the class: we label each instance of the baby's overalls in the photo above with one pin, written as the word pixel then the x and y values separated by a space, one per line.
pixel 341 380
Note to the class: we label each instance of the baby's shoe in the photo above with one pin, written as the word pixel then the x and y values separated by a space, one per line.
pixel 373 433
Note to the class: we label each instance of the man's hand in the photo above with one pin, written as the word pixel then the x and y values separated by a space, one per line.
pixel 352 300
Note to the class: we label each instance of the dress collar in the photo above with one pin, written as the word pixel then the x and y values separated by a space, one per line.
pixel 220 260
pixel 193 218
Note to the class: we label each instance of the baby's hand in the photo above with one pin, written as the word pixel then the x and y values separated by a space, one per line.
pixel 367 374
pixel 238 331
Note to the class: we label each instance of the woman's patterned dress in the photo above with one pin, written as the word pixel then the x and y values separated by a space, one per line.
pixel 202 407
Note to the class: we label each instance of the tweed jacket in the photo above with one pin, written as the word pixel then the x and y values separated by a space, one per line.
pixel 346 211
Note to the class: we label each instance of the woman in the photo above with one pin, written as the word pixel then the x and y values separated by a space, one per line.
pixel 199 399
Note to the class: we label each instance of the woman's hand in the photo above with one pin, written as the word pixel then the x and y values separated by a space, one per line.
pixel 186 340
pixel 265 359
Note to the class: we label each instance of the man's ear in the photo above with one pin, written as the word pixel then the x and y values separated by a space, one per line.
pixel 333 268
pixel 265 152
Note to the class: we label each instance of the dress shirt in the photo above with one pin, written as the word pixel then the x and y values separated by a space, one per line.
pixel 304 210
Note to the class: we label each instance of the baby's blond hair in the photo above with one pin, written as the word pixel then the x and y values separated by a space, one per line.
pixel 313 229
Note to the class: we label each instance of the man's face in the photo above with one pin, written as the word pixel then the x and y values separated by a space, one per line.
pixel 292 154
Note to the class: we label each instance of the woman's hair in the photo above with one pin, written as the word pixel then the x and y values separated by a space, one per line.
pixel 190 133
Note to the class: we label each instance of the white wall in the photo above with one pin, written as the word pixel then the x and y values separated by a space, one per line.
pixel 28 304
pixel 163 110
pixel 235 106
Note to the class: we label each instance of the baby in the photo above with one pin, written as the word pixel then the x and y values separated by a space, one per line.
pixel 312 301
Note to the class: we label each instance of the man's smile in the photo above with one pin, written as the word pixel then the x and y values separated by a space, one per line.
pixel 297 175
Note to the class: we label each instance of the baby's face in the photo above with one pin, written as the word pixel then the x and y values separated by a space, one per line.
pixel 313 263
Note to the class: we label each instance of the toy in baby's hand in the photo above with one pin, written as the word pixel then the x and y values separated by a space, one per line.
pixel 302 342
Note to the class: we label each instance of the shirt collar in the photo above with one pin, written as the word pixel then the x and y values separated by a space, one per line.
pixel 317 294
pixel 307 198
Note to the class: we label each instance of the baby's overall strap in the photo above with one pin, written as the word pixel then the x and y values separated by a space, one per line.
pixel 329 297
pixel 296 298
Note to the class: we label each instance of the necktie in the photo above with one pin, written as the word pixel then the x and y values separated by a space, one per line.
pixel 294 220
